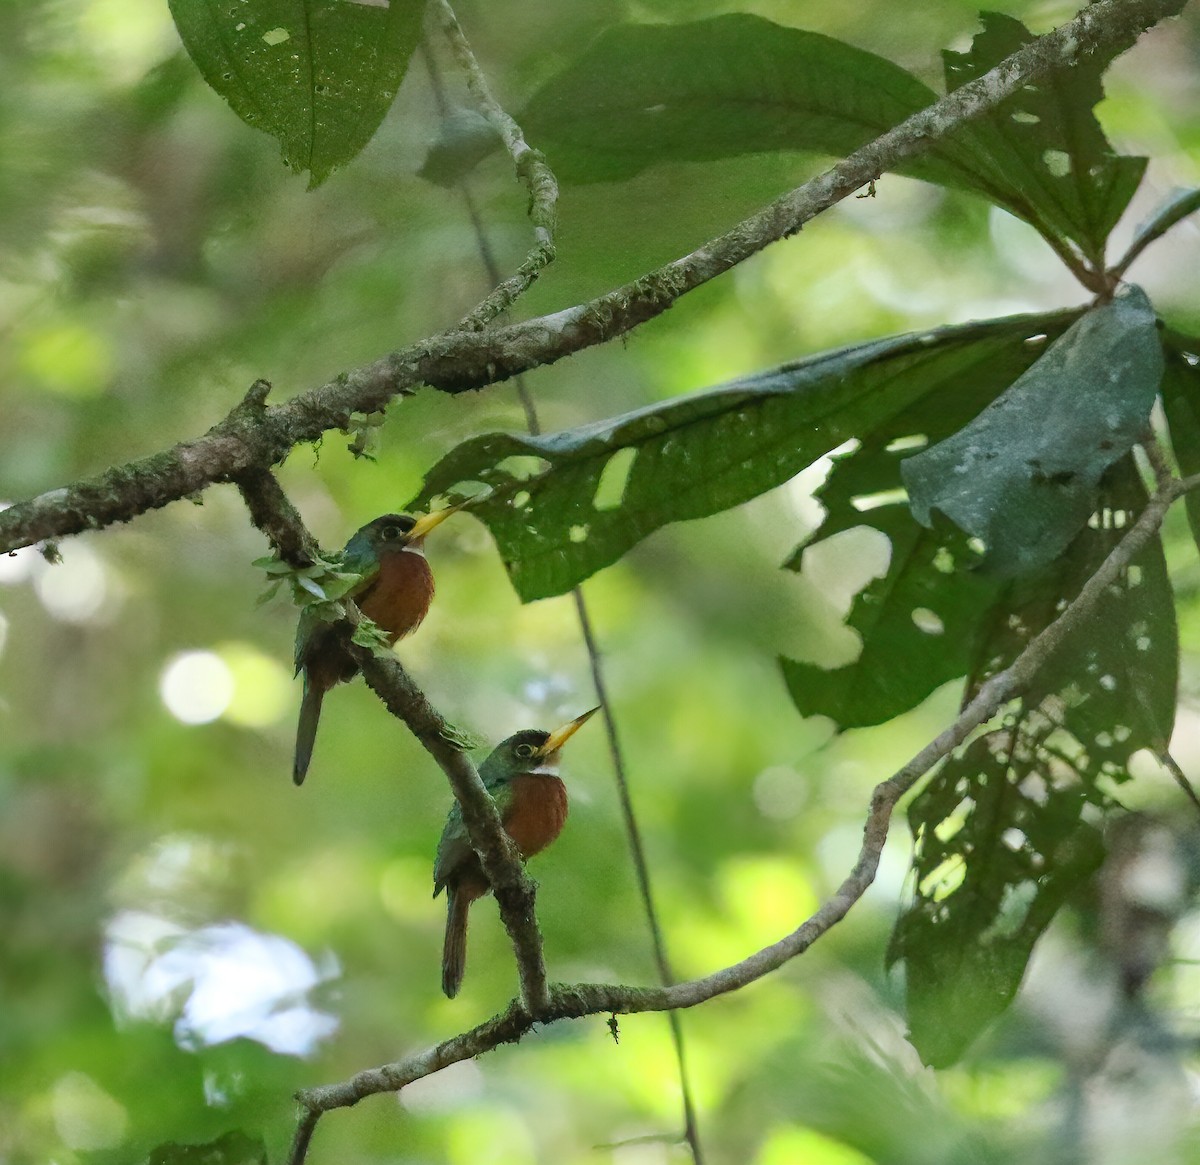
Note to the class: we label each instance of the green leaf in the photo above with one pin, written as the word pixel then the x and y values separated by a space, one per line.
pixel 462 738
pixel 370 635
pixel 1181 404
pixel 235 1148
pixel 930 580
pixel 563 506
pixel 1041 153
pixel 465 139
pixel 273 565
pixel 919 625
pixel 269 593
pixel 1177 206
pixel 1023 475
pixel 318 75
pixel 1007 829
pixel 313 588
pixel 642 94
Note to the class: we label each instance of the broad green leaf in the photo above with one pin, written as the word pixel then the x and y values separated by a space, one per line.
pixel 318 75
pixel 919 623
pixel 919 626
pixel 1181 403
pixel 1023 475
pixel 641 94
pixel 1041 153
pixel 563 506
pixel 1178 205
pixel 1004 833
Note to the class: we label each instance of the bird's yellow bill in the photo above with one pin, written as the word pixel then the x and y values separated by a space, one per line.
pixel 560 736
pixel 427 522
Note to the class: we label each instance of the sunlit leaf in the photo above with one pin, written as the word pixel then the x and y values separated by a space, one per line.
pixel 1007 829
pixel 557 520
pixel 1023 475
pixel 318 75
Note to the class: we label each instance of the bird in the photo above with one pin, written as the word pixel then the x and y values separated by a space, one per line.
pixel 521 774
pixel 395 593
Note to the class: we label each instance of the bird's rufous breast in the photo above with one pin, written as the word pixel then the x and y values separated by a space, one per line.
pixel 537 812
pixel 399 597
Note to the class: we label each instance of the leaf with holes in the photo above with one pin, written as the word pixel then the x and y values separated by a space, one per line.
pixel 920 621
pixel 563 506
pixel 1023 475
pixel 1181 403
pixel 317 75
pixel 1041 153
pixel 919 625
pixel 1006 830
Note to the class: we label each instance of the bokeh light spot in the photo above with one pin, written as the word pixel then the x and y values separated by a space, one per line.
pixel 77 590
pixel 262 687
pixel 196 687
pixel 85 1116
pixel 67 358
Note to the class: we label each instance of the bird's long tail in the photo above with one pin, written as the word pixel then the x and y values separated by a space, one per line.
pixel 454 950
pixel 306 730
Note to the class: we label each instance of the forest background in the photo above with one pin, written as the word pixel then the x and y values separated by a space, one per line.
pixel 189 939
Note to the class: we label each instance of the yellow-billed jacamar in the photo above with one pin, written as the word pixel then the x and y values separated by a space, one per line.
pixel 521 774
pixel 395 593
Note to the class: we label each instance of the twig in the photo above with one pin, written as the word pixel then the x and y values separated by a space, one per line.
pixel 641 869
pixel 272 512
pixel 532 170
pixel 1156 455
pixel 691 1128
pixel 583 999
pixel 460 360
pixel 304 1131
pixel 1172 766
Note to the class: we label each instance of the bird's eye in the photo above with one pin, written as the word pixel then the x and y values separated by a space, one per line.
pixel 392 533
pixel 525 751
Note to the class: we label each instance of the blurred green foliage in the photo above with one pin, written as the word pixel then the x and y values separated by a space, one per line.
pixel 188 939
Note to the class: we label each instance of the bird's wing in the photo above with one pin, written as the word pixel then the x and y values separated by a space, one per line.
pixel 454 848
pixel 359 556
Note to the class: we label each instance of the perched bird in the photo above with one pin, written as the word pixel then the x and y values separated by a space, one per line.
pixel 395 593
pixel 521 774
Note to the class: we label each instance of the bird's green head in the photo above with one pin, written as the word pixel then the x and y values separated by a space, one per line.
pixel 533 751
pixel 396 532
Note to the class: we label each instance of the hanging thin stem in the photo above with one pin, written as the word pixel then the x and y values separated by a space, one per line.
pixel 691 1131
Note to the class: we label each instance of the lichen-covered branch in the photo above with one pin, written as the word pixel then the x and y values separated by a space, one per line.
pixel 461 359
pixel 577 1000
